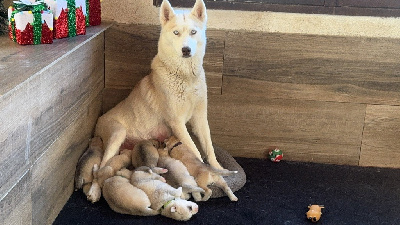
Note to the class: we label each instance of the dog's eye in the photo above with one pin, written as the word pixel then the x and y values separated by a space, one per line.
pixel 176 32
pixel 193 32
pixel 190 208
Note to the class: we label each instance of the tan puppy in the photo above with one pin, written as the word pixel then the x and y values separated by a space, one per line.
pixel 178 175
pixel 162 196
pixel 174 93
pixel 84 169
pixel 156 188
pixel 204 174
pixel 179 209
pixel 116 163
pixel 123 197
pixel 145 154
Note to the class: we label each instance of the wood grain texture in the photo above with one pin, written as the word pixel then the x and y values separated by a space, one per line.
pixel 381 139
pixel 247 125
pixel 113 96
pixel 18 63
pixel 53 173
pixel 63 90
pixel 362 70
pixel 16 206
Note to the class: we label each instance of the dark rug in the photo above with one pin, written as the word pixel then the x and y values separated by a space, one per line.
pixel 277 193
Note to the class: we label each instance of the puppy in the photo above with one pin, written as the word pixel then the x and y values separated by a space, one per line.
pixel 179 209
pixel 116 163
pixel 156 188
pixel 178 175
pixel 84 169
pixel 145 154
pixel 123 197
pixel 162 196
pixel 204 174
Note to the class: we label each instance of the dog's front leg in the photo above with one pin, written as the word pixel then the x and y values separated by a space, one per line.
pixel 180 131
pixel 113 135
pixel 201 129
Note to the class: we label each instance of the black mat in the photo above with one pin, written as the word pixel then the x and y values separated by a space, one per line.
pixel 277 193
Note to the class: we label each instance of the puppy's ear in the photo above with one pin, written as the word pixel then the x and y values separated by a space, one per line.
pixel 166 12
pixel 199 11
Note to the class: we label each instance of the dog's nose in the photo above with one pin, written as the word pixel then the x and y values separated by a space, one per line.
pixel 186 51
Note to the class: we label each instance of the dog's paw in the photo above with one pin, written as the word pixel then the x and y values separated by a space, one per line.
pixel 94 193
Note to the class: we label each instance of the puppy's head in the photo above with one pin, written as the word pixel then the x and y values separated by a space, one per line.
pixel 170 142
pixel 180 209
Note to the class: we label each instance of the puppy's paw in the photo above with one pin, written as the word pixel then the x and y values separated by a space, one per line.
pixel 179 192
pixel 233 198
pixel 94 193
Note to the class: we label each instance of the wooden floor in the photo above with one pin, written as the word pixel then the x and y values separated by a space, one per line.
pixel 318 98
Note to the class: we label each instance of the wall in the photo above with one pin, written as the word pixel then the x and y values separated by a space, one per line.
pixel 143 12
pixel 326 99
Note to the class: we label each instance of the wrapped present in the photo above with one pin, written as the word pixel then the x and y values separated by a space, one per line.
pixel 93 8
pixel 30 23
pixel 69 17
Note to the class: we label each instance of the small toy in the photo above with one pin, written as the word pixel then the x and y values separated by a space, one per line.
pixel 275 155
pixel 314 213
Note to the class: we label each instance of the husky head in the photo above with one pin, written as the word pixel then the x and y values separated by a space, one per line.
pixel 183 33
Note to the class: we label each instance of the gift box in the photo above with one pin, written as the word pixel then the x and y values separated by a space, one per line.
pixel 30 23
pixel 69 17
pixel 94 12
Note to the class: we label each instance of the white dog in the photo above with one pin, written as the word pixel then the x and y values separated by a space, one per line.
pixel 174 93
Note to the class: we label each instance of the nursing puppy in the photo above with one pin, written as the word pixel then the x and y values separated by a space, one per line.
pixel 204 174
pixel 145 154
pixel 178 176
pixel 174 93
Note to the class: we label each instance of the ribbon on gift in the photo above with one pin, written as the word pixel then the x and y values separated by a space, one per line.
pixel 71 18
pixel 36 8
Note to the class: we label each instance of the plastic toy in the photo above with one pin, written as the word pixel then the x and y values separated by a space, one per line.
pixel 314 213
pixel 275 155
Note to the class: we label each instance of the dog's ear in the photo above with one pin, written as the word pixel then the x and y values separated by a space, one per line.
pixel 166 12
pixel 199 11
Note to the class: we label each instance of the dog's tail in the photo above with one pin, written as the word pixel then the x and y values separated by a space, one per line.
pixel 190 188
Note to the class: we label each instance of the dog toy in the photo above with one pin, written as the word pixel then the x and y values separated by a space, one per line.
pixel 314 213
pixel 275 155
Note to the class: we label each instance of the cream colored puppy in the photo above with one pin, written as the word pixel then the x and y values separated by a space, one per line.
pixel 123 197
pixel 178 175
pixel 204 174
pixel 174 93
pixel 162 196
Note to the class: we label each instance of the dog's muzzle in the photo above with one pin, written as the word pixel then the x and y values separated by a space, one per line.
pixel 186 52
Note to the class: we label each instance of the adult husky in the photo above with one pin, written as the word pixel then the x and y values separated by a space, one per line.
pixel 174 93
